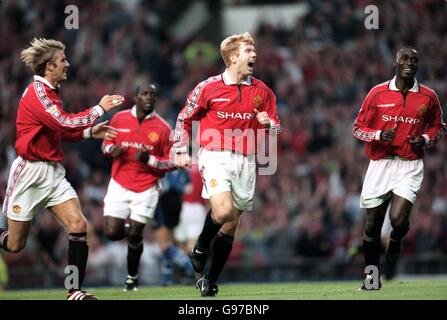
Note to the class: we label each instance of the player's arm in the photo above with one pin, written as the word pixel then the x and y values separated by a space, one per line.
pixel 160 164
pixel 109 146
pixel 361 128
pixel 436 126
pixel 99 131
pixel 193 110
pixel 268 118
pixel 51 115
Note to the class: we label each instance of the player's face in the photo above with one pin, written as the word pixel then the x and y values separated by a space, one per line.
pixel 246 59
pixel 59 66
pixel 146 99
pixel 407 62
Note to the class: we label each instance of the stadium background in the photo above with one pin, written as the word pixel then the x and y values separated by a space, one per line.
pixel 320 61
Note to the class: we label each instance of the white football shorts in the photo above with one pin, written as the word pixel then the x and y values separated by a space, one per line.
pixel 33 185
pixel 227 171
pixel 394 175
pixel 120 202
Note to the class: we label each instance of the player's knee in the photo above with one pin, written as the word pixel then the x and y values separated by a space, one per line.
pixel 400 229
pixel 77 225
pixel 113 233
pixel 372 229
pixel 134 237
pixel 223 212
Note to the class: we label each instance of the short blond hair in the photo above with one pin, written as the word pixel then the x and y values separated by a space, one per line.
pixel 39 53
pixel 230 45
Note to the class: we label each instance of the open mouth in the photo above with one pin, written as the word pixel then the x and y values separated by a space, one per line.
pixel 251 64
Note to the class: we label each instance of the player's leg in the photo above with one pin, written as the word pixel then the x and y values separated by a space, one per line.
pixel 222 246
pixel 134 252
pixel 70 215
pixel 116 211
pixel 221 203
pixel 371 237
pixel 372 243
pixel 400 223
pixel 168 216
pixel 141 206
pixel 14 239
pixel 221 212
pixel 114 228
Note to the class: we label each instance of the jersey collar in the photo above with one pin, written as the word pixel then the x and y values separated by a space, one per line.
pixel 392 85
pixel 133 111
pixel 227 79
pixel 44 81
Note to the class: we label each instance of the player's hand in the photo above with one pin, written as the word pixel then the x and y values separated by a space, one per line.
pixel 103 131
pixel 111 102
pixel 416 141
pixel 182 160
pixel 388 135
pixel 142 156
pixel 263 118
pixel 116 151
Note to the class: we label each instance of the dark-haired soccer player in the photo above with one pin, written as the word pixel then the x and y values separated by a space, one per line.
pixel 397 119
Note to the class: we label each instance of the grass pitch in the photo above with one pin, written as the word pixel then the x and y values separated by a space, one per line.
pixel 434 289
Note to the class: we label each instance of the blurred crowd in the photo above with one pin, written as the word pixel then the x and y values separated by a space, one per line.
pixel 321 70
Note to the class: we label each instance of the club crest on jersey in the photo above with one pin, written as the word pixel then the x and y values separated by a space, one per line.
pixel 257 100
pixel 16 209
pixel 213 183
pixel 153 137
pixel 422 109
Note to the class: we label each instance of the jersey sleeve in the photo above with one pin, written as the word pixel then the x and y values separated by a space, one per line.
pixel 436 127
pixel 275 123
pixel 51 115
pixel 361 128
pixel 192 111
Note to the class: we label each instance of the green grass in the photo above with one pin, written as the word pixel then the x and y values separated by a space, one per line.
pixel 344 290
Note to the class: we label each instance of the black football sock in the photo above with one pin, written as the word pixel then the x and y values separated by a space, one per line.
pixel 209 231
pixel 78 254
pixel 221 251
pixel 371 250
pixel 133 258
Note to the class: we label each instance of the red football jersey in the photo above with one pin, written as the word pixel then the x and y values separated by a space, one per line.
pixel 226 114
pixel 151 134
pixel 419 113
pixel 42 124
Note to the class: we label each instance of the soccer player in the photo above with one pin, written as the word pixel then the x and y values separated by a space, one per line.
pixel 396 120
pixel 37 179
pixel 231 108
pixel 166 218
pixel 140 155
